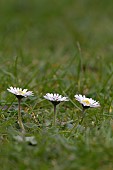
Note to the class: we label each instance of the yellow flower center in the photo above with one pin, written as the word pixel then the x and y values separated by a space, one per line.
pixel 21 92
pixel 86 102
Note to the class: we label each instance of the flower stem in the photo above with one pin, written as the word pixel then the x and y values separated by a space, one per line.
pixel 19 117
pixel 79 122
pixel 83 115
pixel 54 122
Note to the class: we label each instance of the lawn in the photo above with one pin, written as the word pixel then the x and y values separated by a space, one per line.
pixel 65 47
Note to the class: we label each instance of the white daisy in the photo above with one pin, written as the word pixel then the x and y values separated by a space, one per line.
pixel 19 92
pixel 55 98
pixel 86 102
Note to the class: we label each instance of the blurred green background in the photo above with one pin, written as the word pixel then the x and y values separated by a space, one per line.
pixel 45 34
pixel 30 27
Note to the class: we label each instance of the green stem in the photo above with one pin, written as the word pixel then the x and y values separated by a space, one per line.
pixel 54 121
pixel 79 122
pixel 83 115
pixel 20 118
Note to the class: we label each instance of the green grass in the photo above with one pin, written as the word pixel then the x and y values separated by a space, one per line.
pixel 64 47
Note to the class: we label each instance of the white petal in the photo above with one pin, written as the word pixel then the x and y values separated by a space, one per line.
pixel 55 97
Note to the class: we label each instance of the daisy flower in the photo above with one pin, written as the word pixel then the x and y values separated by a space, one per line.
pixel 55 99
pixel 19 93
pixel 86 102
